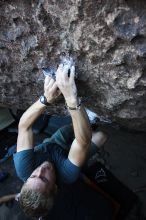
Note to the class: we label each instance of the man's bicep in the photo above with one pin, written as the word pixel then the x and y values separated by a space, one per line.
pixel 78 153
pixel 25 139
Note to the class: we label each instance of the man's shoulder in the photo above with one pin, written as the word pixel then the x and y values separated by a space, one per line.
pixel 24 163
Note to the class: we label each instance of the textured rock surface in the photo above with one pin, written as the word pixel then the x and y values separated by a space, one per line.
pixel 107 38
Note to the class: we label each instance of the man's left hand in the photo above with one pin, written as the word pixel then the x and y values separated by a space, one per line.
pixel 66 84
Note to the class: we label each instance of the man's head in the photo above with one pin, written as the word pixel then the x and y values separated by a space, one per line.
pixel 37 194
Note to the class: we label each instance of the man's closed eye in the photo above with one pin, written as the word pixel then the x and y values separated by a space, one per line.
pixel 44 179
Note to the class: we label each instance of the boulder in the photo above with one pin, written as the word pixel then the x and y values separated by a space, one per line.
pixel 107 40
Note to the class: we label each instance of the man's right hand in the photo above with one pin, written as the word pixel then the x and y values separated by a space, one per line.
pixel 51 90
pixel 66 84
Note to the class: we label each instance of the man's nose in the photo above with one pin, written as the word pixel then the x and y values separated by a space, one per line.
pixel 40 171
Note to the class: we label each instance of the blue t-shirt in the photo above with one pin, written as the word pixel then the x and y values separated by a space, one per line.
pixel 26 161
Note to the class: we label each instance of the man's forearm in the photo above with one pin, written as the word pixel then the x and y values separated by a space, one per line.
pixel 31 114
pixel 81 124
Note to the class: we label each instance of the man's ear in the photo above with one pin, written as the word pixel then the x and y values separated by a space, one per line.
pixel 17 197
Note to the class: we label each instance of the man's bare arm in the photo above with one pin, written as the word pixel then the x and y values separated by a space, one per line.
pixel 25 135
pixel 80 146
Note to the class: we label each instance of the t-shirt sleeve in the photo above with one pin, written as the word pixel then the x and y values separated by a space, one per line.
pixel 24 163
pixel 68 172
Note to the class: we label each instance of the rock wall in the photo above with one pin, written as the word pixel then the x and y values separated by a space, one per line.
pixel 107 39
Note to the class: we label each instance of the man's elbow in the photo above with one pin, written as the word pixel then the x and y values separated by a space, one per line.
pixel 23 125
pixel 86 140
